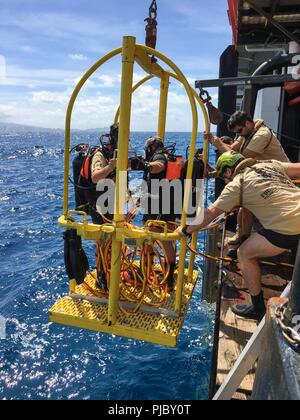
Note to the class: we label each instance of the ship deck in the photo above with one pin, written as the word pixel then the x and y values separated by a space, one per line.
pixel 235 332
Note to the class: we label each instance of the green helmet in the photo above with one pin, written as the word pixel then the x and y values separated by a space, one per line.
pixel 228 159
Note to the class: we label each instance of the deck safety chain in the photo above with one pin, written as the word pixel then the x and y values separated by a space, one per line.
pixel 290 334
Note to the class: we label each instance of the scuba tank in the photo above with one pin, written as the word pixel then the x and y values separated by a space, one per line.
pixel 77 163
pixel 197 174
pixel 175 167
pixel 175 163
pixel 86 194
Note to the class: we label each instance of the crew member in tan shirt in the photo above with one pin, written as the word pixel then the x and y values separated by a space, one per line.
pixel 254 140
pixel 266 190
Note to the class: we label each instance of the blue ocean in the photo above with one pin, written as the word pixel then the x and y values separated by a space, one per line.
pixel 39 360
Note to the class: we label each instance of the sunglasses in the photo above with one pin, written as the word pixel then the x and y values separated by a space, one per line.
pixel 240 130
pixel 222 176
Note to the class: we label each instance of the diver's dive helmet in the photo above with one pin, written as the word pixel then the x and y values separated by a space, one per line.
pixel 228 159
pixel 114 135
pixel 109 146
pixel 152 144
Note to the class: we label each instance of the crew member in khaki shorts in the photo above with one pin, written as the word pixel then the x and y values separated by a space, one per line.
pixel 267 191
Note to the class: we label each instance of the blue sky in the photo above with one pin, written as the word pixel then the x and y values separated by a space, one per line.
pixel 47 45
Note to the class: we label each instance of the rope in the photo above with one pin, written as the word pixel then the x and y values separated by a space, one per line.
pixel 145 269
pixel 144 273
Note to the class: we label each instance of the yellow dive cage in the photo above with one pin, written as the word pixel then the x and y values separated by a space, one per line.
pixel 81 307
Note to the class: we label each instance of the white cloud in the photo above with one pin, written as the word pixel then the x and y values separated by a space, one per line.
pixel 48 109
pixel 107 81
pixel 2 69
pixel 91 34
pixel 136 77
pixel 78 57
pixel 46 97
pixel 6 110
pixel 12 75
pixel 146 104
pixel 27 49
pixel 18 76
pixel 97 103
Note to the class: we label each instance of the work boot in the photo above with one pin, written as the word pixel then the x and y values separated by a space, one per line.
pixel 234 240
pixel 233 249
pixel 233 253
pixel 255 311
pixel 237 239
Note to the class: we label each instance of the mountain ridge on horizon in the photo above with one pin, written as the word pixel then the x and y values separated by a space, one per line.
pixel 14 128
pixel 11 128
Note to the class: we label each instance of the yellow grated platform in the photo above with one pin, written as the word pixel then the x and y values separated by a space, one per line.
pixel 155 328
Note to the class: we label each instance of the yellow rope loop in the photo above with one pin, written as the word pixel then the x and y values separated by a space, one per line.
pixel 144 273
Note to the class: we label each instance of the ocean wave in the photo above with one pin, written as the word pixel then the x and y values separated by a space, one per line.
pixel 40 360
pixel 4 197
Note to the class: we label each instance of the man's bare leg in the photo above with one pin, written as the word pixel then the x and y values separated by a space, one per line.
pixel 254 249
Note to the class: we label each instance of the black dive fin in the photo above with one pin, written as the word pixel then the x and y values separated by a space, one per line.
pixel 67 259
pixel 76 261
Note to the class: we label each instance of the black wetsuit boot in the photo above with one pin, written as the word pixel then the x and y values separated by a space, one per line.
pixel 101 282
pixel 170 279
pixel 256 310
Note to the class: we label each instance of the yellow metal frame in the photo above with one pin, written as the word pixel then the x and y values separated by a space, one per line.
pixel 196 97
pixel 165 80
pixel 131 53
